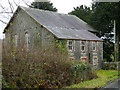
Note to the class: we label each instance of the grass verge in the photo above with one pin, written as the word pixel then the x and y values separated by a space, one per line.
pixel 104 76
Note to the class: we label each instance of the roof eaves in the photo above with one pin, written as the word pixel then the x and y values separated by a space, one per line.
pixel 71 37
pixel 82 39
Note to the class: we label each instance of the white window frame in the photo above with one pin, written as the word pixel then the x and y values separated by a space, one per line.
pixel 72 45
pixel 94 45
pixel 95 60
pixel 81 45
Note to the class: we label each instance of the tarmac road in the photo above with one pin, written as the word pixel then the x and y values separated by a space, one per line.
pixel 115 85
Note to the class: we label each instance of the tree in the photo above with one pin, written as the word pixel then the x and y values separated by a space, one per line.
pixel 102 19
pixel 83 12
pixel 44 6
pixel 8 7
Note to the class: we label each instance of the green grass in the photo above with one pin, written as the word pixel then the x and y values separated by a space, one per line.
pixel 104 76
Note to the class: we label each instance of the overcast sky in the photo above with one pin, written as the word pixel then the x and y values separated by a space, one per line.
pixel 63 6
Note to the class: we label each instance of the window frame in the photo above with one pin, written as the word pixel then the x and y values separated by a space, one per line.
pixel 83 45
pixel 72 45
pixel 94 46
pixel 95 62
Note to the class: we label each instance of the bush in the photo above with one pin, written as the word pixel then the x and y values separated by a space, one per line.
pixel 64 73
pixel 41 69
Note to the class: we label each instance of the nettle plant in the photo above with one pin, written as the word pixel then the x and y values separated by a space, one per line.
pixel 61 46
pixel 41 68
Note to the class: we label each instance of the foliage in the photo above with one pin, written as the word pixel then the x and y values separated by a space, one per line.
pixel 108 50
pixel 36 68
pixel 103 14
pixel 61 73
pixel 61 46
pixel 104 76
pixel 44 6
pixel 83 12
pixel 102 19
pixel 4 84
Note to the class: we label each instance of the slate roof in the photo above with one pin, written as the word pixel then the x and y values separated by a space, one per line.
pixel 63 26
pixel 64 33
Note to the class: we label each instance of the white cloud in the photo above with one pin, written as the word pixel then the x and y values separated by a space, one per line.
pixel 65 6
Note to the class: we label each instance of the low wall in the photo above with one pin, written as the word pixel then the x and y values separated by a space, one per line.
pixel 111 66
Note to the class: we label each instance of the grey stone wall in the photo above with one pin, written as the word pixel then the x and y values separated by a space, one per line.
pixel 22 23
pixel 77 53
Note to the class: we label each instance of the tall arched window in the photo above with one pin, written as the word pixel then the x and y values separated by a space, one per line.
pixel 16 40
pixel 27 40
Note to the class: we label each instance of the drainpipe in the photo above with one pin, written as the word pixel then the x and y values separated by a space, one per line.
pixel 115 43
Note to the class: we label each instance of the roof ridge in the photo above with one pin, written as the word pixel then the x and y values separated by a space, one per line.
pixel 53 12
pixel 45 10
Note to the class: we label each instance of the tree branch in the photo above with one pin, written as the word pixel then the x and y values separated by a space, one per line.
pixel 11 7
pixel 26 3
pixel 15 3
pixel 6 12
pixel 3 22
pixel 3 8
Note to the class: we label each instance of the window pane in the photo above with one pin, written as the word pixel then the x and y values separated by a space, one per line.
pixel 70 44
pixel 83 42
pixel 70 47
pixel 83 48
pixel 83 45
pixel 94 45
pixel 95 61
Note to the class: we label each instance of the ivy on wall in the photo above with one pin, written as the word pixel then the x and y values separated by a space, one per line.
pixel 61 46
